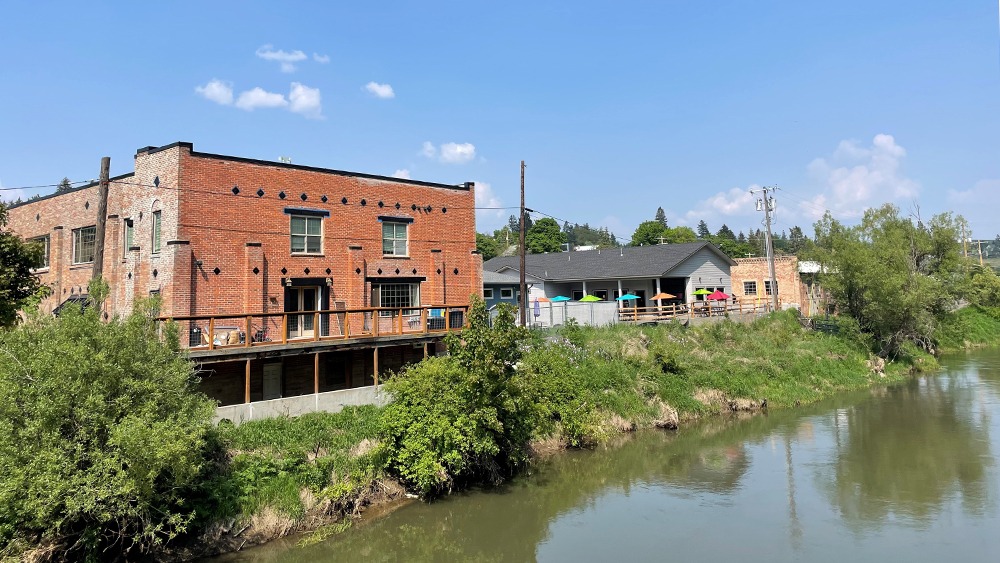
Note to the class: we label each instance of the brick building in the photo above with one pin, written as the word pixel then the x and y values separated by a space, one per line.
pixel 222 236
pixel 751 282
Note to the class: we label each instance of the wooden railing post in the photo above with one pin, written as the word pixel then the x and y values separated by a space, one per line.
pixel 249 337
pixel 447 319
pixel 423 322
pixel 347 325
pixel 316 326
pixel 211 333
pixel 284 328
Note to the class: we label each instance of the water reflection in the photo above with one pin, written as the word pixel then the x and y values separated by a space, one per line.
pixel 908 453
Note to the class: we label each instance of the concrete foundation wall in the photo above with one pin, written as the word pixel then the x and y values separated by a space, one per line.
pixel 331 401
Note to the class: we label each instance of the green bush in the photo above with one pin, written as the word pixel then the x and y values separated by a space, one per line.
pixel 467 415
pixel 102 434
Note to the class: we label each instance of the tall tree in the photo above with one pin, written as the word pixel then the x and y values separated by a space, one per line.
pixel 544 236
pixel 487 246
pixel 648 233
pixel 725 233
pixel 703 232
pixel 64 186
pixel 661 217
pixel 17 284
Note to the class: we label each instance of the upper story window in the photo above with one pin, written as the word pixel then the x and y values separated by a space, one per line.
pixel 84 244
pixel 43 261
pixel 129 235
pixel 157 223
pixel 487 293
pixel 306 234
pixel 750 288
pixel 394 240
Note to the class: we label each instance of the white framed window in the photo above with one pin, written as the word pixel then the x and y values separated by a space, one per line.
pixel 767 287
pixel 488 293
pixel 43 241
pixel 157 225
pixel 577 294
pixel 601 294
pixel 129 235
pixel 84 244
pixel 701 296
pixel 396 295
pixel 506 293
pixel 394 240
pixel 750 288
pixel 306 234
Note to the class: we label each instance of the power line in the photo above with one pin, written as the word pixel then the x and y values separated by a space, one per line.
pixel 5 188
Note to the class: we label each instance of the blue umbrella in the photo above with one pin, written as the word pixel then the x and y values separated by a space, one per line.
pixel 626 297
pixel 560 298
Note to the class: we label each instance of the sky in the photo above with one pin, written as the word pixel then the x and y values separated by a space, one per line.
pixel 617 108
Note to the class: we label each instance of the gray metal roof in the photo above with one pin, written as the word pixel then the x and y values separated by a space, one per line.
pixel 608 263
pixel 490 277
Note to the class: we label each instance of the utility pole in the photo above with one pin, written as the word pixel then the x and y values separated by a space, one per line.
pixel 965 243
pixel 102 217
pixel 766 204
pixel 980 252
pixel 522 302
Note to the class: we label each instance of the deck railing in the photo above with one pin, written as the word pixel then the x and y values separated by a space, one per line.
pixel 210 332
pixel 692 310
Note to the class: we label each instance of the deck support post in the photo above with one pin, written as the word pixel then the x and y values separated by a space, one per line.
pixel 375 364
pixel 316 373
pixel 246 384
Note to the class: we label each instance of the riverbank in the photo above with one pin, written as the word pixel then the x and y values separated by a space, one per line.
pixel 284 476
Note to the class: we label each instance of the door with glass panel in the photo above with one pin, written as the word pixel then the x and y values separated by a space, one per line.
pixel 302 299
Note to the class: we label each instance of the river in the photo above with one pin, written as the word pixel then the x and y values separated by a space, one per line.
pixel 907 473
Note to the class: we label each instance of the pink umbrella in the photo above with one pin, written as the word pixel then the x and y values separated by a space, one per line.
pixel 718 296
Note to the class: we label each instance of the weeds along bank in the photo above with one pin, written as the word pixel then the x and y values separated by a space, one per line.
pixel 476 416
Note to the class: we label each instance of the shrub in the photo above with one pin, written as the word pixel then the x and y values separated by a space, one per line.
pixel 102 434
pixel 470 414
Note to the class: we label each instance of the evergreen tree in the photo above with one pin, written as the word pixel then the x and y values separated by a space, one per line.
pixel 661 217
pixel 725 233
pixel 64 186
pixel 703 232
pixel 487 246
pixel 741 238
pixel 544 236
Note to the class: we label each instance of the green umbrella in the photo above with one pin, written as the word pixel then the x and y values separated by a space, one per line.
pixel 590 298
pixel 701 292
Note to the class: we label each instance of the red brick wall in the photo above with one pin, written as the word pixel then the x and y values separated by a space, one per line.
pixel 203 221
pixel 786 270
pixel 236 233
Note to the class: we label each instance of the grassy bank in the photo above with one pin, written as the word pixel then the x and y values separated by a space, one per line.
pixel 450 426
pixel 969 327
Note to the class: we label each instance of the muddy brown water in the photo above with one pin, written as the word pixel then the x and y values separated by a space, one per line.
pixel 907 473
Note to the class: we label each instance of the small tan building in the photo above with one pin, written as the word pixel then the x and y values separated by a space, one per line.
pixel 751 283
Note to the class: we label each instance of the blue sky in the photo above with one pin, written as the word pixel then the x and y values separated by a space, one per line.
pixel 617 107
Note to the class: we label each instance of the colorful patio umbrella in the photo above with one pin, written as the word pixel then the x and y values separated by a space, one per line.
pixel 560 298
pixel 627 297
pixel 718 296
pixel 701 292
pixel 538 309
pixel 590 298
pixel 543 299
pixel 663 296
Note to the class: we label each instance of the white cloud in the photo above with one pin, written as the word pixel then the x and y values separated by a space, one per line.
pixel 735 202
pixel 321 59
pixel 401 173
pixel 260 98
pixel 286 58
pixel 383 91
pixel 488 219
pixel 428 149
pixel 856 177
pixel 216 91
pixel 305 101
pixel 455 153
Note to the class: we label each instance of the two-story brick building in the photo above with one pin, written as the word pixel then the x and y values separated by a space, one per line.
pixel 236 246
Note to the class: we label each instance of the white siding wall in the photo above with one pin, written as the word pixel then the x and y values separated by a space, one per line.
pixel 706 265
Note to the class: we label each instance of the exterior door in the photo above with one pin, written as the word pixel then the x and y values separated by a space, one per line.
pixel 302 299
